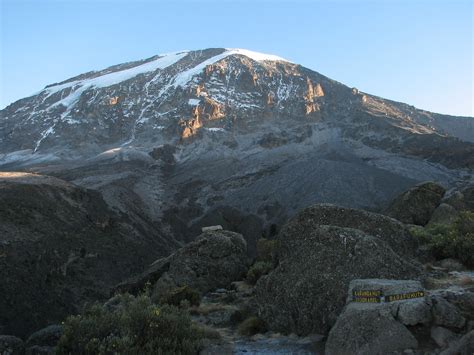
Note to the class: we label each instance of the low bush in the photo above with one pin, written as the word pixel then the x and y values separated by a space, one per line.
pixel 455 240
pixel 251 326
pixel 257 270
pixel 135 326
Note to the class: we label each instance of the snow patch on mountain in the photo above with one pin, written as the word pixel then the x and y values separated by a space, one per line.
pixel 193 102
pixel 186 76
pixel 79 86
pixel 259 57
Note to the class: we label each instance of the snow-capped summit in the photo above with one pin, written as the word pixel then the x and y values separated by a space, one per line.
pixel 176 97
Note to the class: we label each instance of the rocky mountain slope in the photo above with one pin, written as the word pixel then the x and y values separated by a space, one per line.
pixel 60 245
pixel 229 136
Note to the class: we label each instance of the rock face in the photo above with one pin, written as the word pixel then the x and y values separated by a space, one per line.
pixel 374 331
pixel 416 205
pixel 60 245
pixel 321 260
pixel 213 260
pixel 446 314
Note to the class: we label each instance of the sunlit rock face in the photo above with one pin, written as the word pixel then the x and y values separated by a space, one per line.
pixel 252 137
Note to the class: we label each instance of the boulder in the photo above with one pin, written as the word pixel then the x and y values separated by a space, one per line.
pixel 11 345
pixel 307 290
pixel 417 205
pixel 443 214
pixel 464 346
pixel 461 199
pixel 368 330
pixel 388 229
pixel 48 336
pixel 409 310
pixel 442 336
pixel 446 314
pixel 213 260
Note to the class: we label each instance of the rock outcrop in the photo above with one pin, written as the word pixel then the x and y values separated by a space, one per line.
pixel 379 327
pixel 393 316
pixel 316 259
pixel 60 245
pixel 215 259
pixel 416 205
pixel 394 233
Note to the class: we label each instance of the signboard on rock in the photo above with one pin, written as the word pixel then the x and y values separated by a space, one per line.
pixel 376 296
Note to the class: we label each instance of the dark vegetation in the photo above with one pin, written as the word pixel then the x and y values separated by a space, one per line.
pixel 455 240
pixel 133 326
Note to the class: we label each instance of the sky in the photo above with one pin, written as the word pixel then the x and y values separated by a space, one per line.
pixel 415 51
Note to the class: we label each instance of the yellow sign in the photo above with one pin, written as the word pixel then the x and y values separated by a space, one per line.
pixel 367 293
pixel 404 296
pixel 367 296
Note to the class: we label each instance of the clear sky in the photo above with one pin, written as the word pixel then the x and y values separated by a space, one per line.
pixel 415 51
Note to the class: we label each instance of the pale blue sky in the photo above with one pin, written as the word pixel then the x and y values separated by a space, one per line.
pixel 415 51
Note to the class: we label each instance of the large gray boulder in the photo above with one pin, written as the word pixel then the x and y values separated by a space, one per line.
pixel 461 199
pixel 388 229
pixel 213 260
pixel 363 330
pixel 416 205
pixel 443 214
pixel 307 291
pixel 410 311
pixel 379 327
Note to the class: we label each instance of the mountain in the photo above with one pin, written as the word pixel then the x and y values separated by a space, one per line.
pixel 229 136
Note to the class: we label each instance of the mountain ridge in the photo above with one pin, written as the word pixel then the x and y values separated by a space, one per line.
pixel 56 101
pixel 214 136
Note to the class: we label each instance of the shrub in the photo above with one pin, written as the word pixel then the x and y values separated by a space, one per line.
pixel 454 240
pixel 179 295
pixel 251 326
pixel 257 270
pixel 135 326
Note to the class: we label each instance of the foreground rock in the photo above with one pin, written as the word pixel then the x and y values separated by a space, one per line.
pixel 11 345
pixel 376 324
pixel 416 205
pixel 464 346
pixel 387 316
pixel 307 291
pixel 215 259
pixel 60 246
pixel 364 331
